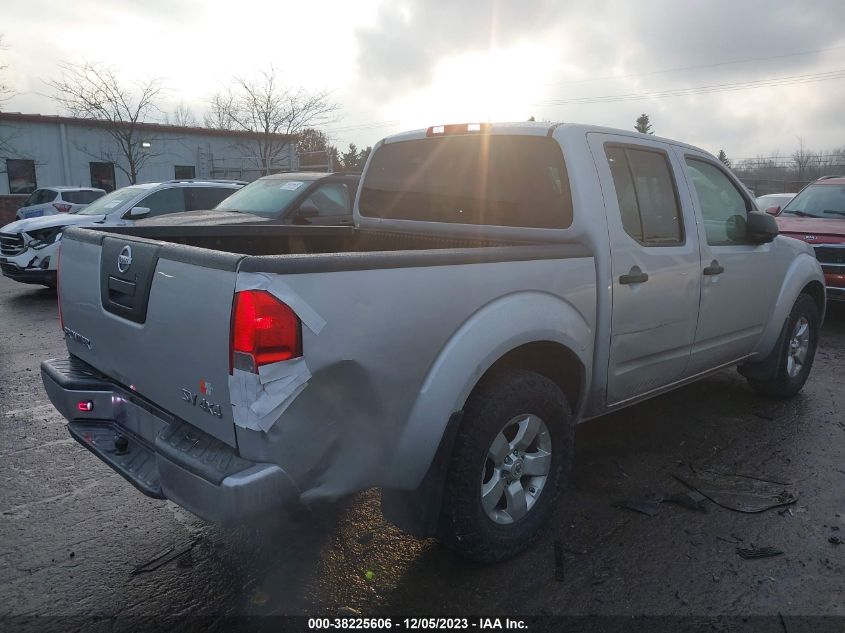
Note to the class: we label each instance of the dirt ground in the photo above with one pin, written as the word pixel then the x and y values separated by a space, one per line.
pixel 72 531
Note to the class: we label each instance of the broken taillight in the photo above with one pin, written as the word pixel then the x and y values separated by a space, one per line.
pixel 264 330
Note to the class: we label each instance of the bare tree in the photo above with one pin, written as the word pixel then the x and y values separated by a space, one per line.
pixel 217 115
pixel 5 89
pixel 269 109
pixel 93 91
pixel 803 158
pixel 181 116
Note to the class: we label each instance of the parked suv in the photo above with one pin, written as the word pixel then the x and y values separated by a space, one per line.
pixel 817 216
pixel 53 200
pixel 28 247
pixel 287 198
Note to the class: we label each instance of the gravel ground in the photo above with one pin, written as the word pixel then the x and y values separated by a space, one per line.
pixel 72 531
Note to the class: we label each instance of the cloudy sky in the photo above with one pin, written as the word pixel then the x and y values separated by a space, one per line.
pixel 747 76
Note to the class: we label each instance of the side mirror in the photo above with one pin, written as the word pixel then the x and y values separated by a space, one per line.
pixel 137 212
pixel 308 210
pixel 775 210
pixel 761 228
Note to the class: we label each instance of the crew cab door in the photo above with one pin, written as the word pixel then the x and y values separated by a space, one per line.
pixel 654 263
pixel 740 281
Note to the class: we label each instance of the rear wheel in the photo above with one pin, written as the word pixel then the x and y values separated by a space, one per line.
pixel 511 458
pixel 797 352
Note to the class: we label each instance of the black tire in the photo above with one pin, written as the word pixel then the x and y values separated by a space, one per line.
pixel 782 385
pixel 465 526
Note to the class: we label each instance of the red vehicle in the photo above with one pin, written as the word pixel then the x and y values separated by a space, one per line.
pixel 817 216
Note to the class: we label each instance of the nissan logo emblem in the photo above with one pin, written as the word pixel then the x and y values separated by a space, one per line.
pixel 124 260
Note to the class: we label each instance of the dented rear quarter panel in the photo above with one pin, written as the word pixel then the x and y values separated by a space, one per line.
pixel 399 353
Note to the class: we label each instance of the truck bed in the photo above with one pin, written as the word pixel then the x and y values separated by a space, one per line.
pixel 251 239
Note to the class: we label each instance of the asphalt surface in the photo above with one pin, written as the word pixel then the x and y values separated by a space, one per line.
pixel 72 531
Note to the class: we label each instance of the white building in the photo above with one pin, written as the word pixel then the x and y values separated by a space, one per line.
pixel 42 151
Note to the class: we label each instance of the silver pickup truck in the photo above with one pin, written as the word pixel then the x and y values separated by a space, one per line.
pixel 501 284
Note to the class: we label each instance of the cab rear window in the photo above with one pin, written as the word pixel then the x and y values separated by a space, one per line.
pixel 502 180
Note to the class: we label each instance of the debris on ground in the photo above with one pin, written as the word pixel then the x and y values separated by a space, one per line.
pixel 740 493
pixel 691 499
pixel 559 560
pixel 733 540
pixel 649 504
pixel 836 540
pixel 599 577
pixel 165 557
pixel 259 598
pixel 753 553
pixel 348 611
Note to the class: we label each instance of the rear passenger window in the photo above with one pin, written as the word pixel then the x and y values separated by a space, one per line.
pixel 204 198
pixel 645 190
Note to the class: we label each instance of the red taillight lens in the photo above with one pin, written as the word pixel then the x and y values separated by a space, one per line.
pixel 264 330
pixel 62 208
pixel 85 405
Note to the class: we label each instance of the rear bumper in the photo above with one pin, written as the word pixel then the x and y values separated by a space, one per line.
pixel 163 456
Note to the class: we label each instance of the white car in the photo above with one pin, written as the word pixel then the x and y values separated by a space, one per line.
pixel 28 247
pixel 53 200
pixel 770 200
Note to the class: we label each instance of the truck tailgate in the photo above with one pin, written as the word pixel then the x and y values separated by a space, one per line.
pixel 154 317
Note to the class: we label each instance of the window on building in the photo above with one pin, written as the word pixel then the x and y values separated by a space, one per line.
pixel 184 172
pixel 645 191
pixel 723 208
pixel 102 175
pixel 21 175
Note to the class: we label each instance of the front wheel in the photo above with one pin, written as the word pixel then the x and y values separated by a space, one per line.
pixel 797 352
pixel 511 458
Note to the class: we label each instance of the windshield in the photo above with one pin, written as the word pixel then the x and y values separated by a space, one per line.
pixel 819 201
pixel 268 198
pixel 110 202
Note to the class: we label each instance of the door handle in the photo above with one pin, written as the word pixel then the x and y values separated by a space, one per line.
pixel 713 269
pixel 634 276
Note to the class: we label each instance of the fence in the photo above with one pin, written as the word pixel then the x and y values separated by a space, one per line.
pixel 765 179
pixel 250 168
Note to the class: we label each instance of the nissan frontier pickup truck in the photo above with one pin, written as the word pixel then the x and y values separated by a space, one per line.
pixel 501 283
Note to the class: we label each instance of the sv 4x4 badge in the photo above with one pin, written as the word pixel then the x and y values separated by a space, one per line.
pixel 199 400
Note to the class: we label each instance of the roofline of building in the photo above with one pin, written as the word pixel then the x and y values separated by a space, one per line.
pixel 19 117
